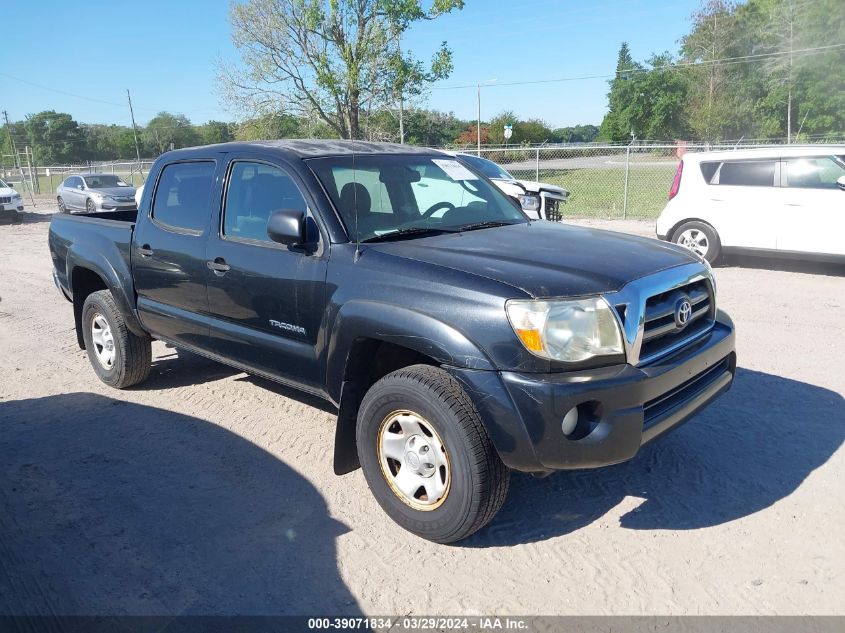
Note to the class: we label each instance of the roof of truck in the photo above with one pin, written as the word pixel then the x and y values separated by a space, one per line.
pixel 311 148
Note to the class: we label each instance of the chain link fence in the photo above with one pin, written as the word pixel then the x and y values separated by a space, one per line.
pixel 604 181
pixel 44 180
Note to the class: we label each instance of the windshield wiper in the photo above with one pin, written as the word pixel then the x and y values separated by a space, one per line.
pixel 416 231
pixel 488 224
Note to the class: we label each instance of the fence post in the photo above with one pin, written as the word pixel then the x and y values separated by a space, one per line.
pixel 537 167
pixel 625 192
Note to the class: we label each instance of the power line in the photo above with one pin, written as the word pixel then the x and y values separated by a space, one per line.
pixel 725 60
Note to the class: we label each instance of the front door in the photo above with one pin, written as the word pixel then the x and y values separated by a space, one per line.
pixel 168 254
pixel 266 300
pixel 813 213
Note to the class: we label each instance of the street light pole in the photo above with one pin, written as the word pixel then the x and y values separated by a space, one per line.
pixel 478 127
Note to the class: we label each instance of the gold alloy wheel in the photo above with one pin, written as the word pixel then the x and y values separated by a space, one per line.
pixel 413 460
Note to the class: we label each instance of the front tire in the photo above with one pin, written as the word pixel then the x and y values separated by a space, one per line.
pixel 119 358
pixel 427 457
pixel 700 238
pixel 90 207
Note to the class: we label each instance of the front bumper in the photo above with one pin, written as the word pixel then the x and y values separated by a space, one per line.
pixel 10 212
pixel 116 206
pixel 623 406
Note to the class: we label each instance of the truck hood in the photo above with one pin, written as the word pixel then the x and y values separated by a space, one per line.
pixel 7 191
pixel 545 259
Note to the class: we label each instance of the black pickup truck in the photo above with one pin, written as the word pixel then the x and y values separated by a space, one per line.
pixel 458 339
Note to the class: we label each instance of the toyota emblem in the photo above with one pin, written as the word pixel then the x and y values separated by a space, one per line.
pixel 683 312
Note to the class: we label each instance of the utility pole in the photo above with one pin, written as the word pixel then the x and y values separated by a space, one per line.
pixel 134 129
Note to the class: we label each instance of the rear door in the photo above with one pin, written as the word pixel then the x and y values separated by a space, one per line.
pixel 168 253
pixel 813 213
pixel 267 300
pixel 745 202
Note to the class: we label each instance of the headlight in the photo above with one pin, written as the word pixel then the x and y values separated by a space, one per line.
pixel 17 196
pixel 529 203
pixel 567 331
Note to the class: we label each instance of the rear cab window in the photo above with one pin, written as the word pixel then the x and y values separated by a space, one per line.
pixel 182 196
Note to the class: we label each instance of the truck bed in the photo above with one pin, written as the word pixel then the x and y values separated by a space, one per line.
pixel 82 236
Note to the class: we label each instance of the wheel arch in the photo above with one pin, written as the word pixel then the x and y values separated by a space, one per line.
pixel 372 340
pixel 89 272
pixel 680 223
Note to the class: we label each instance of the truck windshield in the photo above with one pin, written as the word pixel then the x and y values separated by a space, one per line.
pixel 486 167
pixel 402 196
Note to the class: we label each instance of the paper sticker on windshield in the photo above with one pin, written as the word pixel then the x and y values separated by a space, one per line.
pixel 454 169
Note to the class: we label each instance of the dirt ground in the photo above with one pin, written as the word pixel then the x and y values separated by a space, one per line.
pixel 206 491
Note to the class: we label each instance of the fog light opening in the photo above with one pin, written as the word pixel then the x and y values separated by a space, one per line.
pixel 581 420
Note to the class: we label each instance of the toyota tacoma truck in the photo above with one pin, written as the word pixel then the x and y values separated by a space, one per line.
pixel 457 339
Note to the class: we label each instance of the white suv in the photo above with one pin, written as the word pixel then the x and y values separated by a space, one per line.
pixel 11 203
pixel 779 200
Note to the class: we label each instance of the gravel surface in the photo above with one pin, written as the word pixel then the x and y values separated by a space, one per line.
pixel 206 491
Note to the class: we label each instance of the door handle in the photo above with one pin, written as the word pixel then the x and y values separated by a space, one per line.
pixel 146 251
pixel 218 266
pixel 794 204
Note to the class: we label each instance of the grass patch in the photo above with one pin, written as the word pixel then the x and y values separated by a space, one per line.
pixel 599 193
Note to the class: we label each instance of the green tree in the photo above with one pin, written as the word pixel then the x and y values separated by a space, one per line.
pixel 329 59
pixel 616 124
pixel 270 126
pixel 215 132
pixel 55 138
pixel 576 134
pixel 167 130
pixel 713 36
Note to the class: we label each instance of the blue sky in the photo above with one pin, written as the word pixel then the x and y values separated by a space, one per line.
pixel 164 52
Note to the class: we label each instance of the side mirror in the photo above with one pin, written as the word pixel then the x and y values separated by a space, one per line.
pixel 287 227
pixel 840 182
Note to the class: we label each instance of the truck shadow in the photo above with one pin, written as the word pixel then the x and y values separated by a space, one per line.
pixel 115 508
pixel 754 447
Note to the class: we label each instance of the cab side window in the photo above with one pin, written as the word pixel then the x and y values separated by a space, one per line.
pixel 747 173
pixel 813 173
pixel 255 191
pixel 182 195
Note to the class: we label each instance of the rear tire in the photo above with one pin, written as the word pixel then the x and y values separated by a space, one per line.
pixel 468 481
pixel 119 358
pixel 700 238
pixel 62 207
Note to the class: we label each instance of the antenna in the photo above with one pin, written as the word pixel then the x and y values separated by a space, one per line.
pixel 355 204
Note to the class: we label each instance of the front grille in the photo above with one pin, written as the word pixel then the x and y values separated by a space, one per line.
pixel 5 199
pixel 661 333
pixel 658 408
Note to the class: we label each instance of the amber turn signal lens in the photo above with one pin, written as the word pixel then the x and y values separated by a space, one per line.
pixel 531 339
